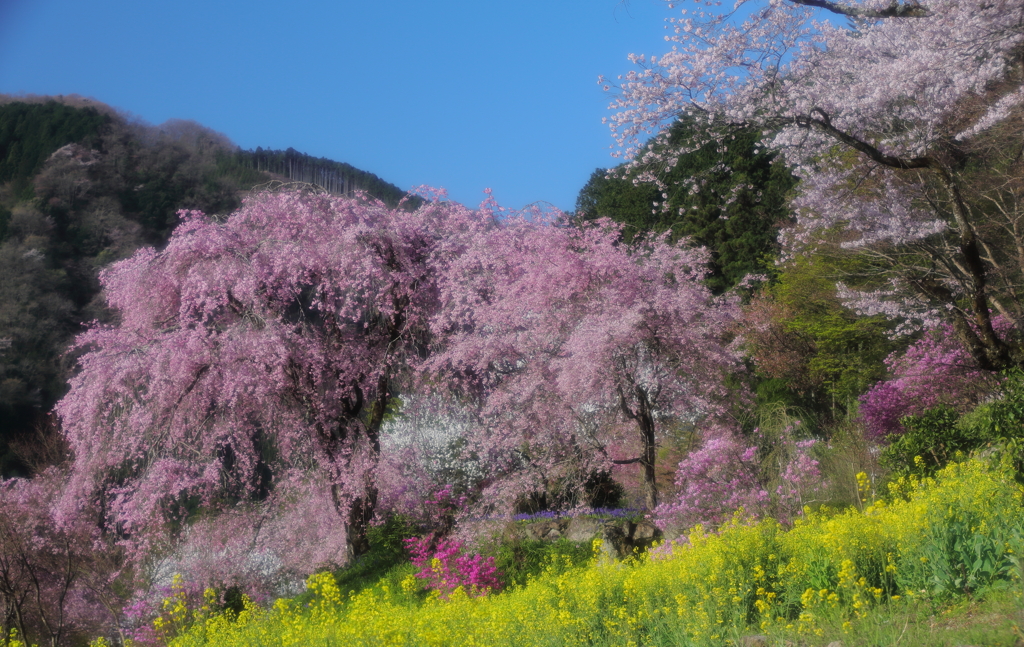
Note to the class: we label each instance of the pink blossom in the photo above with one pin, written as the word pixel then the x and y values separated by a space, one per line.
pixel 934 371
pixel 566 337
pixel 724 475
pixel 248 378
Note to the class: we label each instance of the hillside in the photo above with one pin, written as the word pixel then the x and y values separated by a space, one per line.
pixel 83 185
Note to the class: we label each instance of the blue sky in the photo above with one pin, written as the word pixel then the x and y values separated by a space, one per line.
pixel 461 94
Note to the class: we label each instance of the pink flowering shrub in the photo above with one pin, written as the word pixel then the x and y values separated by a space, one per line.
pixel 57 575
pixel 137 622
pixel 445 567
pixel 935 371
pixel 765 474
pixel 713 481
pixel 441 508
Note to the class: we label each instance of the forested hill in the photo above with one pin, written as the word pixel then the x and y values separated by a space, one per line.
pixel 81 186
pixel 30 133
pixel 338 178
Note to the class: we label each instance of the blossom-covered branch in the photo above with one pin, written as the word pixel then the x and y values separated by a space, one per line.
pixel 891 125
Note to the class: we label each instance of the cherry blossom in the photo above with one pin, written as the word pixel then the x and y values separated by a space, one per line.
pixel 894 114
pixel 250 371
pixel 565 336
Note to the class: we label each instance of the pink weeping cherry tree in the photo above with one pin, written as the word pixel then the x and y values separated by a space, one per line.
pixel 248 375
pixel 563 335
pixel 899 116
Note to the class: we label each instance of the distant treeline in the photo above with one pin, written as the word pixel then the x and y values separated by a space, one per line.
pixel 338 178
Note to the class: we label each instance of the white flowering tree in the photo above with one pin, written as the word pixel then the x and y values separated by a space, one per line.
pixel 902 120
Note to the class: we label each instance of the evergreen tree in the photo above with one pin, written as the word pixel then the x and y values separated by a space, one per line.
pixel 730 200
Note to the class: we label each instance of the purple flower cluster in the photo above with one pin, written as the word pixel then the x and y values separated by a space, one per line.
pixel 615 513
pixel 536 516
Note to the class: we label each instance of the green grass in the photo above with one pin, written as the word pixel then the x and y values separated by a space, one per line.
pixel 522 559
pixel 994 619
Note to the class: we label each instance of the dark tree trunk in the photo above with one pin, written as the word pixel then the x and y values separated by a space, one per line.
pixel 363 508
pixel 647 460
pixel 359 517
pixel 644 417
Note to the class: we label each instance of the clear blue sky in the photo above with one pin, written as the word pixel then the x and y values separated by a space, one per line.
pixel 462 94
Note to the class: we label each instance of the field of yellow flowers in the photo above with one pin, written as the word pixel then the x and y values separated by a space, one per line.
pixel 929 540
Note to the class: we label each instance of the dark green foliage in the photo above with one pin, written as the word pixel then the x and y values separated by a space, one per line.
pixel 1001 422
pixel 780 391
pixel 1003 418
pixel 959 560
pixel 602 491
pixel 36 320
pixel 233 601
pixel 930 442
pixel 622 201
pixel 941 435
pixel 736 213
pixel 597 490
pixel 5 220
pixel 29 133
pixel 522 559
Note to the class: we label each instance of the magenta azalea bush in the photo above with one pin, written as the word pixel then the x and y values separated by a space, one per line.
pixel 445 566
pixel 934 371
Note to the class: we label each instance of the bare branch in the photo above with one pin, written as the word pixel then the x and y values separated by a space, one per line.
pixel 823 123
pixel 895 9
pixel 627 461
